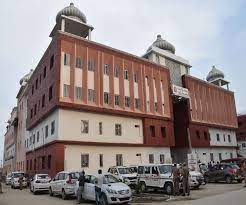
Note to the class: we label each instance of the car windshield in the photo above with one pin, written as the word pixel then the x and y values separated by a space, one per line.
pixel 16 175
pixel 74 175
pixel 164 169
pixel 133 169
pixel 43 176
pixel 109 179
pixel 124 170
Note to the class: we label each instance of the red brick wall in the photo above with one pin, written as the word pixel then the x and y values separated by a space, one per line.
pixel 194 129
pixel 241 131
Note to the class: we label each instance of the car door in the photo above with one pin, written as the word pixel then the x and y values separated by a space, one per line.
pixel 147 175
pixel 53 183
pixel 89 189
pixel 60 182
pixel 213 172
pixel 85 193
pixel 155 179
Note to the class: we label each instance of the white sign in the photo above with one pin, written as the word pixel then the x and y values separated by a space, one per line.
pixel 192 162
pixel 180 91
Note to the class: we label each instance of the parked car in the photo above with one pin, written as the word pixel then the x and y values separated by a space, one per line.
pixel 15 183
pixel 40 183
pixel 238 161
pixel 8 179
pixel 63 184
pixel 224 172
pixel 113 191
pixel 196 176
pixel 124 174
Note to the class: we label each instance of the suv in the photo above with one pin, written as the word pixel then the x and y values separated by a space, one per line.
pixel 124 174
pixel 224 172
pixel 156 176
pixel 63 184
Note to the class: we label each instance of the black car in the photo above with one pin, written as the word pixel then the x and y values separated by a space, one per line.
pixel 223 172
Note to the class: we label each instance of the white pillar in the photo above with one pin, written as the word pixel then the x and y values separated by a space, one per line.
pixel 89 34
pixel 63 25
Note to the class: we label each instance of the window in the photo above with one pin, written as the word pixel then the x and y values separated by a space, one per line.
pixel 162 158
pixel 91 95
pixel 224 137
pixel 38 136
pixel 31 113
pixel 117 100
pixel 106 69
pixel 78 91
pixel 30 164
pixel 84 126
pixel 152 131
pixel 116 71
pixel 231 155
pixel 135 77
pixel 156 106
pixel 50 92
pixel 44 73
pixel 51 61
pixel 40 78
pixel 79 63
pixel 43 100
pixel 33 139
pixel 66 59
pixel 84 160
pixel 243 144
pixel 106 98
pixel 136 103
pixel 91 64
pixel 118 129
pixel 36 84
pixel 35 109
pixel 198 134
pixel 163 132
pixel 151 158
pixel 119 160
pixel 66 90
pixel 101 160
pixel 218 137
pixel 49 162
pixel 43 162
pixel 27 164
pixel 100 128
pixel 127 101
pixel 220 156
pixel 32 89
pixel 126 74
pixel 46 131
pixel 229 138
pixel 205 135
pixel 52 127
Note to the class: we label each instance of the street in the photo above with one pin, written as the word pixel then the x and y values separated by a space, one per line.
pixel 209 194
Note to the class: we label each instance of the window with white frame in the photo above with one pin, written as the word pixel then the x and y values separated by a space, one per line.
pixel 127 101
pixel 91 66
pixel 91 95
pixel 162 158
pixel 66 59
pixel 106 98
pixel 52 127
pixel 46 131
pixel 117 100
pixel 126 74
pixel 135 77
pixel 136 103
pixel 84 126
pixel 84 160
pixel 116 71
pixel 66 90
pixel 119 160
pixel 101 160
pixel 220 156
pixel 151 158
pixel 78 91
pixel 100 128
pixel 118 130
pixel 79 63
pixel 229 138
pixel 106 69
pixel 218 137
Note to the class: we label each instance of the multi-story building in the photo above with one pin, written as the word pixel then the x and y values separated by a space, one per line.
pixel 22 116
pixel 9 157
pixel 241 135
pixel 91 106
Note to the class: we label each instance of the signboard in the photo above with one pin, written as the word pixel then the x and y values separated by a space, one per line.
pixel 192 162
pixel 180 91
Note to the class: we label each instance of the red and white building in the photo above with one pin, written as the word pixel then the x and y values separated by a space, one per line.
pixel 241 135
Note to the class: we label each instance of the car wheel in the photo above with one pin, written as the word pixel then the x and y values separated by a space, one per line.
pixel 64 196
pixel 228 180
pixel 104 200
pixel 168 188
pixel 51 192
pixel 143 187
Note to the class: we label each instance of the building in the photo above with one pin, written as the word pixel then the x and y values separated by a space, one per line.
pixel 9 157
pixel 91 106
pixel 241 135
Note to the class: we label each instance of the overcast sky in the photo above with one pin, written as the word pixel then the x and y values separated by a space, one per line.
pixel 204 32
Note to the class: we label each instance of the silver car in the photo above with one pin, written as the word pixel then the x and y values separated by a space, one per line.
pixel 8 179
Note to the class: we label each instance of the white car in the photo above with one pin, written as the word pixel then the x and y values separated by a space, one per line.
pixel 8 179
pixel 196 175
pixel 113 191
pixel 15 183
pixel 124 174
pixel 63 184
pixel 40 182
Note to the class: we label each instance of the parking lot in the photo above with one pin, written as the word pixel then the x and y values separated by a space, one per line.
pixel 15 196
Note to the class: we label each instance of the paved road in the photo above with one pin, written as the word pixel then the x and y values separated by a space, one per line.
pixel 217 194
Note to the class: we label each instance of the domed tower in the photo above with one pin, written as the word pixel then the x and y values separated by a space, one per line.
pixel 216 77
pixel 72 20
pixel 163 52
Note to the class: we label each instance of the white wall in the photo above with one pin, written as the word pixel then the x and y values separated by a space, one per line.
pixel 242 150
pixel 70 127
pixel 65 74
pixel 73 156
pixel 213 138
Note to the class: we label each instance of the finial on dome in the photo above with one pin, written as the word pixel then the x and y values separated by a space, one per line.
pixel 159 36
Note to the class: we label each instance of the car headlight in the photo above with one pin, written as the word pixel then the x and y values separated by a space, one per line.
pixel 111 191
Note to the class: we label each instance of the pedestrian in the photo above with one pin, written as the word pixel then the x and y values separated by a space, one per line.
pixel 209 166
pixel 98 186
pixel 184 171
pixel 243 168
pixel 21 181
pixel 176 179
pixel 81 180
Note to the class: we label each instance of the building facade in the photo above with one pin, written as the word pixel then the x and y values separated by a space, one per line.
pixel 241 135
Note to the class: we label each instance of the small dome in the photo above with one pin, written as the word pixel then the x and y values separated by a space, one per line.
pixel 26 78
pixel 163 44
pixel 214 74
pixel 71 11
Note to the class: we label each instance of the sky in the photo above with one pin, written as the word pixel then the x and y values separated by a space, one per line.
pixel 206 33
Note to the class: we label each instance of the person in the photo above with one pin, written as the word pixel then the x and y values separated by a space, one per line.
pixel 185 179
pixel 210 166
pixel 244 172
pixel 98 186
pixel 21 181
pixel 176 179
pixel 81 180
